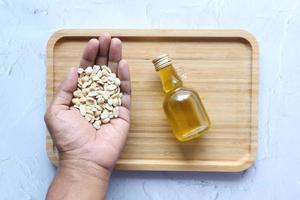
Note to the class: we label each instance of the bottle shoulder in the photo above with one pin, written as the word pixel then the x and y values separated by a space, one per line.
pixel 181 90
pixel 180 94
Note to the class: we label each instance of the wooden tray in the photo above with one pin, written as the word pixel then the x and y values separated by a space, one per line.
pixel 222 65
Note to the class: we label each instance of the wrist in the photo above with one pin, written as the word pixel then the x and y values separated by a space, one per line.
pixel 84 168
pixel 79 179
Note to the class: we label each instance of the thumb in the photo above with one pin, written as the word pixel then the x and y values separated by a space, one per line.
pixel 65 91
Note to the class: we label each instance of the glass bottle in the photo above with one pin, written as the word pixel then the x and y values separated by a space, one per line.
pixel 183 107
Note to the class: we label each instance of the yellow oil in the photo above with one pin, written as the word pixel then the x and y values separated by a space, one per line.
pixel 183 107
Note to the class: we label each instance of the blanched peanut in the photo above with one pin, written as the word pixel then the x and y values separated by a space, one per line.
pixel 98 95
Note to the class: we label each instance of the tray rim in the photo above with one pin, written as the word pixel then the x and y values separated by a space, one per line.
pixel 159 165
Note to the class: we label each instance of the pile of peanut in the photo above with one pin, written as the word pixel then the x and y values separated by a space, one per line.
pixel 98 95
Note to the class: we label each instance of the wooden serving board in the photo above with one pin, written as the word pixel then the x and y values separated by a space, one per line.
pixel 222 65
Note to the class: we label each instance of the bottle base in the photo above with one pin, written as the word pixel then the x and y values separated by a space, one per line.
pixel 195 133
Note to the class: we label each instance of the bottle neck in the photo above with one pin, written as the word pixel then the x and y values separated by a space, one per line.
pixel 169 78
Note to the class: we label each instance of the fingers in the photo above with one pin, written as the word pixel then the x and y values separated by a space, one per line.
pixel 65 91
pixel 110 51
pixel 124 76
pixel 115 54
pixel 104 43
pixel 90 53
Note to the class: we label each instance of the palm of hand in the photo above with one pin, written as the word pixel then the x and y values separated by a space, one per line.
pixel 76 138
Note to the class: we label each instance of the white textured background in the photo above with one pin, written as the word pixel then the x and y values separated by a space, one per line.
pixel 25 27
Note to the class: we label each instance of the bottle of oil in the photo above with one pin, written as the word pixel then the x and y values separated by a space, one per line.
pixel 182 106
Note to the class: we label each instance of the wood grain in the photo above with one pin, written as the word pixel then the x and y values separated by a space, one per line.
pixel 222 65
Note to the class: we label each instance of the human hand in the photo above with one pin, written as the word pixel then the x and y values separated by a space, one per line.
pixel 75 138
